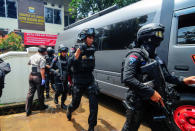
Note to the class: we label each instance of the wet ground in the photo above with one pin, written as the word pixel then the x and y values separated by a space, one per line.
pixel 110 118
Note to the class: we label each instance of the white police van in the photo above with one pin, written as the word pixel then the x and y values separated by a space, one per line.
pixel 117 28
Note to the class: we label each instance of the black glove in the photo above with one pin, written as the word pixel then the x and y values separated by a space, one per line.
pixel 83 48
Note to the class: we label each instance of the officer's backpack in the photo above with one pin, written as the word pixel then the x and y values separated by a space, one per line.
pixel 140 51
pixel 4 67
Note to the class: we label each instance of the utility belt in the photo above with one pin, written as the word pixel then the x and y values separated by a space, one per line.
pixel 35 72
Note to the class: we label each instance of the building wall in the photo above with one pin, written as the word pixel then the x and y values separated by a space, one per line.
pixel 16 82
pixel 8 23
pixel 11 24
pixel 55 28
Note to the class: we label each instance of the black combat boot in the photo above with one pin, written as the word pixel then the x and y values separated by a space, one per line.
pixel 63 106
pixel 28 113
pixel 91 128
pixel 43 107
pixel 63 98
pixel 56 100
pixel 68 113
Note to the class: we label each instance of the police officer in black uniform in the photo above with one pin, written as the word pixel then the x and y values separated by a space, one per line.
pixel 137 77
pixel 49 76
pixel 83 62
pixel 59 66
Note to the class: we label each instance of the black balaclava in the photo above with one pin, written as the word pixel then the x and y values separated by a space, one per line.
pixel 150 46
pixel 50 53
pixel 62 57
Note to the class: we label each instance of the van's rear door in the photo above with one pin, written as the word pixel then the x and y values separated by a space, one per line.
pixel 181 59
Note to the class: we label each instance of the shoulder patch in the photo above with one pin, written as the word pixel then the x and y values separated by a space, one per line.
pixel 132 59
pixel 143 63
pixel 134 56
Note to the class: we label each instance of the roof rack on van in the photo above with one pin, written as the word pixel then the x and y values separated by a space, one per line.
pixel 98 14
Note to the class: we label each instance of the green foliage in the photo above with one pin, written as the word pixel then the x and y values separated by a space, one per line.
pixel 12 42
pixel 82 8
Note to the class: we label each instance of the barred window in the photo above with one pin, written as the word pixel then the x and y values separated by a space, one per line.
pixel 57 16
pixel 53 16
pixel 11 9
pixel 48 15
pixel 8 8
pixel 66 23
pixel 2 8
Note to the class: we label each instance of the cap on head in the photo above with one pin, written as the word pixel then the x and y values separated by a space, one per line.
pixel 42 49
pixel 150 32
pixel 84 33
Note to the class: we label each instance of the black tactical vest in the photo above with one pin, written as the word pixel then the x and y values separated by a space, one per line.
pixel 152 75
pixel 86 61
pixel 48 61
pixel 62 65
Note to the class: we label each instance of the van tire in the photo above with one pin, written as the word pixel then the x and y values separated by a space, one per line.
pixel 180 105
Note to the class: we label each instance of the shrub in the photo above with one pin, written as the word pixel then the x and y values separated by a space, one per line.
pixel 12 42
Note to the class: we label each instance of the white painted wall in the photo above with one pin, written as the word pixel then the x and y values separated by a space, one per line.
pixel 16 82
pixel 11 24
pixel 8 23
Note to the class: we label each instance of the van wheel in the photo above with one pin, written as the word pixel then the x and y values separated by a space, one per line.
pixel 184 116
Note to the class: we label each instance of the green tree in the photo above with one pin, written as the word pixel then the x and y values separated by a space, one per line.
pixel 82 8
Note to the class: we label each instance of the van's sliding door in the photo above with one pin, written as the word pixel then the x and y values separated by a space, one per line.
pixel 181 59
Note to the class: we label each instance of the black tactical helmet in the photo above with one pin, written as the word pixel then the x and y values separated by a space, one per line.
pixel 62 48
pixel 150 32
pixel 42 49
pixel 84 33
pixel 50 51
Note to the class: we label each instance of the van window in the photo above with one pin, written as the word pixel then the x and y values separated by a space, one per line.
pixel 186 29
pixel 120 35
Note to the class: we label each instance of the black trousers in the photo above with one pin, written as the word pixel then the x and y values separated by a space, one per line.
pixel 35 84
pixel 77 93
pixel 61 89
pixel 49 79
pixel 144 112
